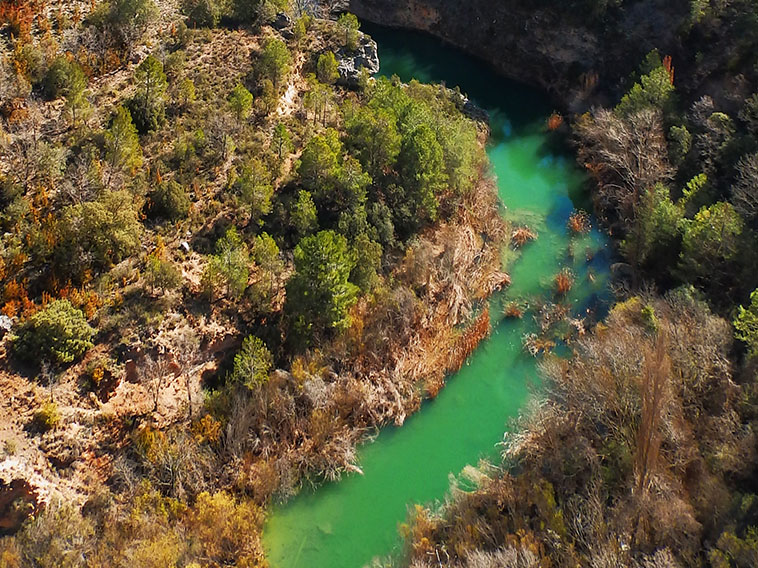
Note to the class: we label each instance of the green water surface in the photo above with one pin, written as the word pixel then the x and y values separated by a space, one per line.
pixel 348 523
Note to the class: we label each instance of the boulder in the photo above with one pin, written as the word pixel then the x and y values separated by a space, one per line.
pixel 352 62
pixel 281 21
pixel 6 324
pixel 475 112
pixel 283 24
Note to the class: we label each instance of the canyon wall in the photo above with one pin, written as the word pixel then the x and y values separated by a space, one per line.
pixel 567 48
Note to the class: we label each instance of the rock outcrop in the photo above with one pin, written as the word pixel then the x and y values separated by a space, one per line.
pixel 351 63
pixel 283 24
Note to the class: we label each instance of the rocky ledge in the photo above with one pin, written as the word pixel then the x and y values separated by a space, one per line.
pixel 352 62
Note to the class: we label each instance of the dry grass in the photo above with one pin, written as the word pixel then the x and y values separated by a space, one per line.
pixel 564 281
pixel 522 235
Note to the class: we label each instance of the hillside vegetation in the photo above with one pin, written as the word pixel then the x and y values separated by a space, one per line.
pixel 221 270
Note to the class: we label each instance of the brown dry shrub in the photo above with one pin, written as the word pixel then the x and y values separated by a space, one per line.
pixel 633 450
pixel 522 235
pixel 564 281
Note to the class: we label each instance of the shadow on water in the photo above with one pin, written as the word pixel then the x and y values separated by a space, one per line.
pixel 513 106
pixel 346 524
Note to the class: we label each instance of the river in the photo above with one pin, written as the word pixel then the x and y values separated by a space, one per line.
pixel 348 523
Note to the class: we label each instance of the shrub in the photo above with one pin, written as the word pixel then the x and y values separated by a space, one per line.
pixel 202 13
pixel 47 418
pixel 229 266
pixel 319 294
pixel 122 148
pixel 62 78
pixel 163 274
pixel 147 107
pixel 564 281
pixel 368 260
pixel 245 10
pixel 711 243
pixel 349 26
pixel 225 530
pixel 275 61
pixel 746 324
pixel 654 90
pixel 255 190
pixel 252 364
pixel 170 201
pixel 58 334
pixel 240 101
pixel 129 19
pixel 99 233
pixel 146 118
pixel 327 68
pixel 303 214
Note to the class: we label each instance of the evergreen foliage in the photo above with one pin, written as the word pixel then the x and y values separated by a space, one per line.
pixel 57 334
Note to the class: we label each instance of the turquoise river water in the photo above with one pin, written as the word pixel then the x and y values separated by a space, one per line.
pixel 348 523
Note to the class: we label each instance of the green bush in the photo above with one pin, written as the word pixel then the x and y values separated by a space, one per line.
pixel 230 266
pixel 240 101
pixel 746 324
pixel 146 118
pixel 327 68
pixel 47 417
pixel 62 78
pixel 202 13
pixel 349 25
pixel 163 274
pixel 58 334
pixel 275 61
pixel 170 201
pixel 127 20
pixel 99 233
pixel 252 364
pixel 319 295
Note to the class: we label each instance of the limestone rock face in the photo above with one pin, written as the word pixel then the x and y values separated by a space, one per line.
pixel 352 62
pixel 549 45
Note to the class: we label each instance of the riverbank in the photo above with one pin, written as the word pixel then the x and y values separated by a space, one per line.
pixel 345 524
pixel 196 397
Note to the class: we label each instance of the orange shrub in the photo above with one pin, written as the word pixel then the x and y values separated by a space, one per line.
pixel 564 281
pixel 579 222
pixel 522 235
pixel 513 310
pixel 554 122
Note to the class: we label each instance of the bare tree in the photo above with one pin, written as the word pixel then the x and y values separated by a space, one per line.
pixel 83 180
pixel 714 130
pixel 626 155
pixel 745 188
pixel 655 376
pixel 48 376
pixel 219 133
pixel 185 347
pixel 154 375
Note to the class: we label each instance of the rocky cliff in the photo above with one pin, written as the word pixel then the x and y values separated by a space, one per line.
pixel 567 48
